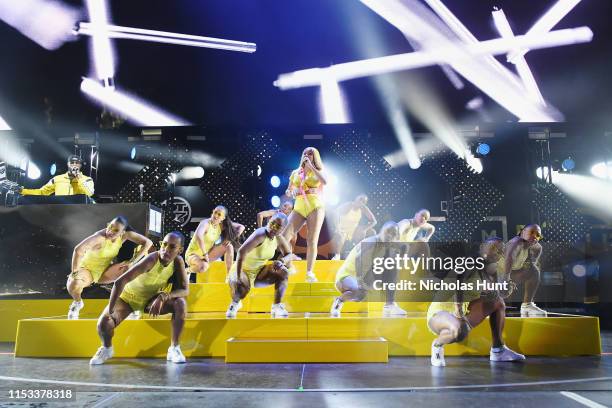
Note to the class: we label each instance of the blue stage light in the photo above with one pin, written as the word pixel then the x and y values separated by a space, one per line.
pixel 53 169
pixel 275 181
pixel 275 200
pixel 483 149
pixel 568 164
pixel 133 153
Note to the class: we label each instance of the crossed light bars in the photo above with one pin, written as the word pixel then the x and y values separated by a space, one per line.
pixel 102 32
pixel 453 44
pixel 131 33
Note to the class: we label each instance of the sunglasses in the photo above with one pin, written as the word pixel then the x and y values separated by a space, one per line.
pixel 219 213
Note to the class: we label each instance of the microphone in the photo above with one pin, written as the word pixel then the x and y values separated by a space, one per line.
pixel 141 187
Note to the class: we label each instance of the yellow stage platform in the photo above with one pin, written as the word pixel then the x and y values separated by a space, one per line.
pixel 308 335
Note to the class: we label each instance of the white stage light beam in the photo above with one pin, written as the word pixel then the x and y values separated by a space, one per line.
pixel 504 29
pixel 136 110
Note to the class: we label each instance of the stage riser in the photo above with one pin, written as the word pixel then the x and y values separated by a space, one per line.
pixel 307 351
pixel 206 337
pixel 325 271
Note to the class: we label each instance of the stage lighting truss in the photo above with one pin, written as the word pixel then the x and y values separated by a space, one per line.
pixel 103 91
pixel 443 40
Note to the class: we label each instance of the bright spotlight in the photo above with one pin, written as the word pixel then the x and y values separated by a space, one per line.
pixel 259 170
pixel 542 172
pixel 4 125
pixel 276 201
pixel 579 270
pixel 138 111
pixel 46 22
pixel 602 170
pixel 332 104
pixel 133 153
pixel 275 181
pixel 483 149
pixel 191 173
pixel 53 169
pixel 568 164
pixel 102 46
pixel 33 171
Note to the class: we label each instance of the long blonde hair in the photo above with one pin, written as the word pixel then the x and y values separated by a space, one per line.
pixel 316 158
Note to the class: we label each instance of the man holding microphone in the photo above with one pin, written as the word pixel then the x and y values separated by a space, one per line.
pixel 73 182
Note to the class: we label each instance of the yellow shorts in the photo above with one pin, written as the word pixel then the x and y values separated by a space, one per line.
pixel 139 303
pixel 305 206
pixel 95 271
pixel 252 274
pixel 436 307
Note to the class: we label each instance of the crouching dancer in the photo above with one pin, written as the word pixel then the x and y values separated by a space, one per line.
pixel 141 288
pixel 352 287
pixel 253 269
pixel 452 321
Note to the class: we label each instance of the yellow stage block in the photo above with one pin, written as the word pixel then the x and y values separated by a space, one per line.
pixel 206 334
pixel 325 271
pixel 302 304
pixel 14 310
pixel 306 350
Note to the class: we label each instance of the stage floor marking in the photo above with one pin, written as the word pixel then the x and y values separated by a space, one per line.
pixel 582 400
pixel 186 388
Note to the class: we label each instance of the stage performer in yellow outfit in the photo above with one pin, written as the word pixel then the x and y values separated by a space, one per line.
pixel 253 267
pixel 214 237
pixel 92 259
pixel 305 185
pixel 144 288
pixel 348 283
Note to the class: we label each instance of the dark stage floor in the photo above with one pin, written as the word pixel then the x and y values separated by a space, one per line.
pixel 542 382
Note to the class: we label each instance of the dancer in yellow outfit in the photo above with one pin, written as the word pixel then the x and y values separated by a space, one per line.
pixel 305 185
pixel 285 208
pixel 452 319
pixel 416 232
pixel 253 269
pixel 348 217
pixel 143 288
pixel 348 283
pixel 204 248
pixel 520 265
pixel 92 259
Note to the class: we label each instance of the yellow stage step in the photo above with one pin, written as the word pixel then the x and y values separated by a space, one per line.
pixel 324 269
pixel 374 350
pixel 206 334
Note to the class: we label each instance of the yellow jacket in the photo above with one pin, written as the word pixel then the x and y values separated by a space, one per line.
pixel 62 186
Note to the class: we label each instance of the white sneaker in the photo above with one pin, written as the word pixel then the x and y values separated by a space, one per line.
pixel 310 277
pixel 74 309
pixel 437 355
pixel 233 309
pixel 505 355
pixel 336 257
pixel 175 355
pixel 103 354
pixel 531 310
pixel 134 315
pixel 278 310
pixel 393 310
pixel 336 307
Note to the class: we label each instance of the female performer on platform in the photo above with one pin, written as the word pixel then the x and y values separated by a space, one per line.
pixel 452 320
pixel 348 216
pixel 305 184
pixel 92 259
pixel 203 248
pixel 253 269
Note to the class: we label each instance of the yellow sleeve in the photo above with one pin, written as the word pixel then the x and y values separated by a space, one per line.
pixel 85 185
pixel 45 190
pixel 294 179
